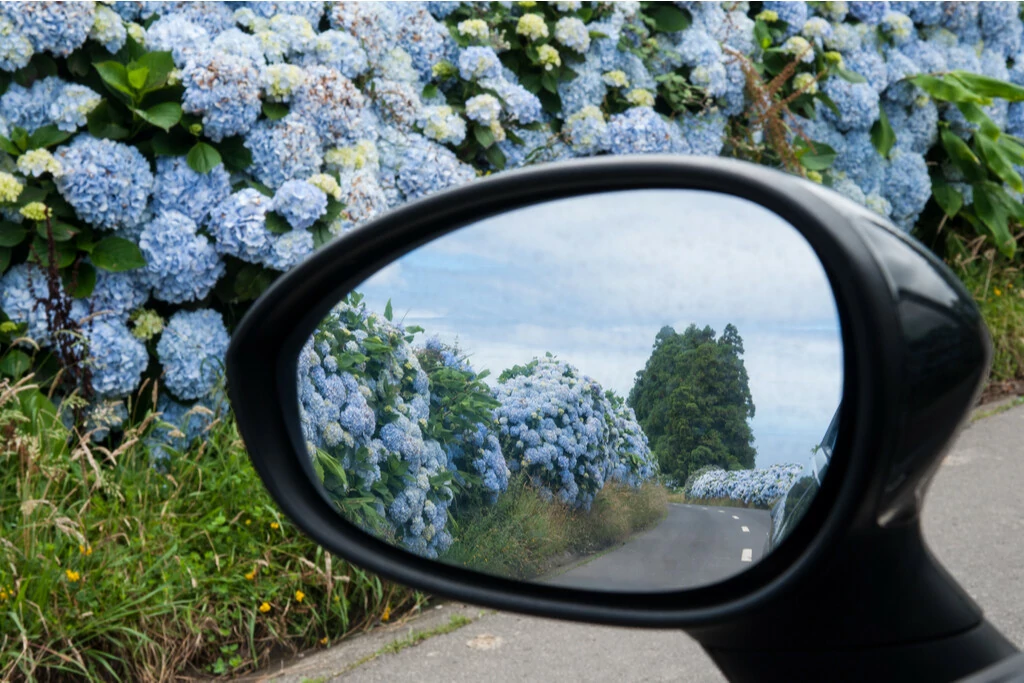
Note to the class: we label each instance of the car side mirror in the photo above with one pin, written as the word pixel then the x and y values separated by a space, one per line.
pixel 647 391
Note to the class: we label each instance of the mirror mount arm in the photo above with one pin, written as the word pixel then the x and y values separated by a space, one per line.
pixel 895 614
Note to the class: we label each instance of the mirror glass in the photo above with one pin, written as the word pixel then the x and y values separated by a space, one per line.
pixel 627 391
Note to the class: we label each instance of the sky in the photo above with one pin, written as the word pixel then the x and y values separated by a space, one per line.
pixel 593 278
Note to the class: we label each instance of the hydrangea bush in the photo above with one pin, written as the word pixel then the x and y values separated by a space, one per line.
pixel 403 435
pixel 760 487
pixel 158 159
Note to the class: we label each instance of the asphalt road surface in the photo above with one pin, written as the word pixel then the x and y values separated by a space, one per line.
pixel 972 521
pixel 694 545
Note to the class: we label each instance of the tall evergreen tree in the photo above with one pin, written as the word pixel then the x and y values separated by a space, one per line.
pixel 693 401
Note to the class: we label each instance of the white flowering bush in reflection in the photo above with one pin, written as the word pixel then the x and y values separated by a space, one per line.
pixel 565 434
pixel 760 487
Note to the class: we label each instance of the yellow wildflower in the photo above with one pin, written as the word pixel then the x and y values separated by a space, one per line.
pixel 387 614
pixel 265 607
pixel 299 595
pixel 248 522
pixel 323 641
pixel 72 575
pixel 997 291
pixel 85 549
pixel 250 575
pixel 275 525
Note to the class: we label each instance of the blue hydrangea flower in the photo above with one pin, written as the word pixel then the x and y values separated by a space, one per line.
pixel 793 13
pixel 923 13
pixel 310 11
pixel 857 104
pixel 586 90
pixel 116 295
pixel 283 150
pixel 15 48
pixel 108 29
pixel 332 104
pixel 1001 28
pixel 915 126
pixel 639 130
pixel 224 89
pixel 340 51
pixel 180 264
pixel 71 107
pixel 442 124
pixel 961 18
pixel 106 182
pixel 179 425
pixel 869 64
pixel 238 43
pixel 844 38
pixel 423 38
pixel 479 63
pixel 860 161
pixel 177 35
pixel 587 132
pixel 869 12
pixel 289 250
pixel 907 185
pixel 701 134
pixel 520 105
pixel 29 108
pixel 59 28
pixel 23 289
pixel 398 103
pixel 116 358
pixel 300 203
pixel 572 32
pixel 238 225
pixel 428 167
pixel 213 17
pixel 178 187
pixel 363 197
pixel 373 24
pixel 898 27
pixel 755 486
pixel 191 352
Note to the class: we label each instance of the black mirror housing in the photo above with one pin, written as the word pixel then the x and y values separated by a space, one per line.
pixel 916 354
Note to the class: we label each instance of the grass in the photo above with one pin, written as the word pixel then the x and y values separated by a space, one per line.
pixel 523 536
pixel 455 622
pixel 997 286
pixel 680 497
pixel 111 569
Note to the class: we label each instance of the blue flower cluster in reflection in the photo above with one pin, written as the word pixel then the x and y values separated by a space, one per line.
pixel 399 433
pixel 760 487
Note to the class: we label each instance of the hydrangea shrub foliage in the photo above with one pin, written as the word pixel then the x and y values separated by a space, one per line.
pixel 162 162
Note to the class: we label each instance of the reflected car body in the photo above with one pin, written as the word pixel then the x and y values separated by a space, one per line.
pixel 790 508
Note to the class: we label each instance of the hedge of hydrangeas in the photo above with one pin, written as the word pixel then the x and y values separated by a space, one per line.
pixel 760 487
pixel 399 433
pixel 172 158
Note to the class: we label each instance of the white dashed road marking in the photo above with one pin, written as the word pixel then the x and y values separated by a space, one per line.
pixel 722 511
pixel 745 529
pixel 748 555
pixel 735 517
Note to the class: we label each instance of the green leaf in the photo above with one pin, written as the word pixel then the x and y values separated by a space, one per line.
pixel 994 215
pixel 11 234
pixel 160 65
pixel 334 209
pixel 277 224
pixel 115 76
pixel 882 135
pixel 761 35
pixel 947 197
pixel 828 102
pixel 815 157
pixel 236 155
pixel 496 157
pixel 15 363
pixel 388 312
pixel 251 281
pixel 116 254
pixel 990 87
pixel 962 156
pixel 1012 148
pixel 668 18
pixel 321 236
pixel 62 232
pixel 429 91
pixel 84 281
pixel 849 76
pixel 137 77
pixel 106 122
pixel 946 89
pixel 483 135
pixel 5 259
pixel 174 143
pixel 163 116
pixel 47 136
pixel 275 110
pixel 19 136
pixel 64 251
pixel 999 163
pixel 9 147
pixel 203 158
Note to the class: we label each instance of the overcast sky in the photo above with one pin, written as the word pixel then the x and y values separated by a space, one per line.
pixel 592 279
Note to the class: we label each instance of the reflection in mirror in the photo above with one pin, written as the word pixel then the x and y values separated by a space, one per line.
pixel 628 391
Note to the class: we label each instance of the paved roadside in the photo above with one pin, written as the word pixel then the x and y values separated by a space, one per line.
pixel 972 521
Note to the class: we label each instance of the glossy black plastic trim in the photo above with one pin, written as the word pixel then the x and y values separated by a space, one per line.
pixel 262 382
